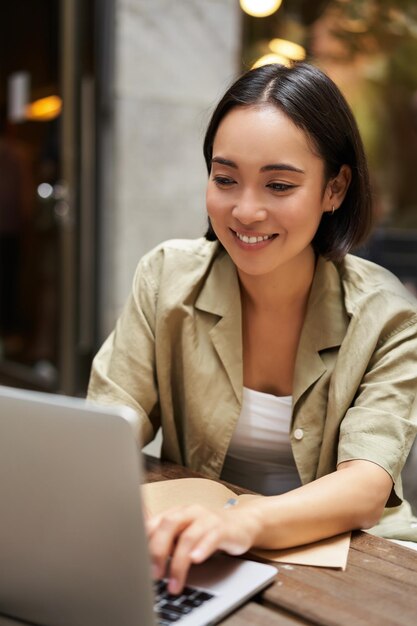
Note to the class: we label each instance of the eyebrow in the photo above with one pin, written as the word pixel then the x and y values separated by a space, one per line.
pixel 266 168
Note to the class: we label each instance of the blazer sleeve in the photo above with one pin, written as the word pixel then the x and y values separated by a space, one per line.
pixel 123 371
pixel 382 423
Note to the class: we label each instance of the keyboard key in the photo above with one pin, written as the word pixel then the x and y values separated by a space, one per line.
pixel 170 608
pixel 188 591
pixel 170 616
pixel 180 608
pixel 203 595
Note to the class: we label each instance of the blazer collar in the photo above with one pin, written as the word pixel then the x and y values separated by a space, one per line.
pixel 220 293
pixel 324 327
pixel 220 296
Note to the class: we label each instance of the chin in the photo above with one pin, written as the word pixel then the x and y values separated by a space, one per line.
pixel 254 269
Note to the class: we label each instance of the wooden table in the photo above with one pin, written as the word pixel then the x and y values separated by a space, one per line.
pixel 378 587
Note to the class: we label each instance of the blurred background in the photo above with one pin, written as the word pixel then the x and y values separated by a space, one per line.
pixel 103 107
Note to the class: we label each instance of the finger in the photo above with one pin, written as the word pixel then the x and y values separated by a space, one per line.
pixel 207 534
pixel 205 548
pixel 151 523
pixel 230 540
pixel 181 558
pixel 163 537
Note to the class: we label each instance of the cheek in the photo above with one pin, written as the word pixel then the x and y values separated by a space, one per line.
pixel 305 210
pixel 300 219
pixel 214 202
pixel 305 221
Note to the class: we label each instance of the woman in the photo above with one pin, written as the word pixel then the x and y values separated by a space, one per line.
pixel 268 356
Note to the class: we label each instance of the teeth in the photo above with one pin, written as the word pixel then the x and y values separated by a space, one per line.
pixel 246 239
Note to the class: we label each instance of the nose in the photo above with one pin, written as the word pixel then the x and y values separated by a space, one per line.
pixel 249 208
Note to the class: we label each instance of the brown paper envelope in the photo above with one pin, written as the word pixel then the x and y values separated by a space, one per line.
pixel 330 552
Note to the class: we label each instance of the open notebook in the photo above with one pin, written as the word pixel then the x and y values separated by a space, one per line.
pixel 73 549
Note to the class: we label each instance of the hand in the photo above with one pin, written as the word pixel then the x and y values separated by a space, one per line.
pixel 191 534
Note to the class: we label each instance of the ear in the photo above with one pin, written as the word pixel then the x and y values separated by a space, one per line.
pixel 336 189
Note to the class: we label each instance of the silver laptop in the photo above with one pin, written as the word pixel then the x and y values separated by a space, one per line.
pixel 73 549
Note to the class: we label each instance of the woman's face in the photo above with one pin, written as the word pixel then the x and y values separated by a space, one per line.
pixel 266 193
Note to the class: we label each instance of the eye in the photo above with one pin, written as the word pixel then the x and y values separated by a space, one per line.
pixel 223 181
pixel 280 186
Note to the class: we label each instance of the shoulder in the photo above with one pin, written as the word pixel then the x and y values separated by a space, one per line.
pixel 181 250
pixel 180 254
pixel 176 264
pixel 367 285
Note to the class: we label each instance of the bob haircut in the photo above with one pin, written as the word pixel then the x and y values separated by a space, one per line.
pixel 313 103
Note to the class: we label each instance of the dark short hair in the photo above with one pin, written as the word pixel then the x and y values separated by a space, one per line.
pixel 315 104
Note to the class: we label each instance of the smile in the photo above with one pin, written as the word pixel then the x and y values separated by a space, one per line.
pixel 253 239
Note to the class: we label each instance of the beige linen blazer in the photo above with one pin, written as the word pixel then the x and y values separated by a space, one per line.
pixel 175 357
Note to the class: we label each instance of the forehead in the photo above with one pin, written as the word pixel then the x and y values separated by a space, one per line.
pixel 262 132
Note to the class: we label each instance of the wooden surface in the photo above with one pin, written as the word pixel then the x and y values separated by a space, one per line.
pixel 378 588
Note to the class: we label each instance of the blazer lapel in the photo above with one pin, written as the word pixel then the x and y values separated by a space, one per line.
pixel 324 327
pixel 220 296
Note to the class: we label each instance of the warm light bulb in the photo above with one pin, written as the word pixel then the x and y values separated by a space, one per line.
pixel 260 8
pixel 44 109
pixel 271 58
pixel 288 49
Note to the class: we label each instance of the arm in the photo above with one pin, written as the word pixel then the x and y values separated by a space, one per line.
pixel 123 371
pixel 351 497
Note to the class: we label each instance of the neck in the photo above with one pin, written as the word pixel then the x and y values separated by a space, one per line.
pixel 288 286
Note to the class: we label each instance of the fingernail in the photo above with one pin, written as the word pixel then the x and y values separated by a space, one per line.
pixel 173 586
pixel 155 571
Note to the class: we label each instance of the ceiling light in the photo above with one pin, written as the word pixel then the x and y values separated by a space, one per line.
pixel 288 49
pixel 271 58
pixel 260 8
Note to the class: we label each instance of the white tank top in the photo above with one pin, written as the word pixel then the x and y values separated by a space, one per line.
pixel 259 455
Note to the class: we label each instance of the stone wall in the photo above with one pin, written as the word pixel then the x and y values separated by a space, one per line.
pixel 173 59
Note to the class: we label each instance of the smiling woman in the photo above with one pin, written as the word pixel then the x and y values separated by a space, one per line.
pixel 267 191
pixel 314 105
pixel 270 356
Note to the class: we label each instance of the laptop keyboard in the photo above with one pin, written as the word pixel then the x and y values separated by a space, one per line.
pixel 170 608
